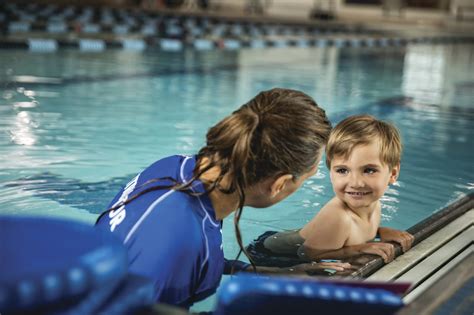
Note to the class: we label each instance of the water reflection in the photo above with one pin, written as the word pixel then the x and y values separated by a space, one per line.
pixel 22 132
pixel 439 74
pixel 156 104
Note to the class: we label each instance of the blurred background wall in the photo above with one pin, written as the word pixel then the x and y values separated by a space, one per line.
pixel 351 9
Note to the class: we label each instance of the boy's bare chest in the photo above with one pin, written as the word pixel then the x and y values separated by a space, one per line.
pixel 363 231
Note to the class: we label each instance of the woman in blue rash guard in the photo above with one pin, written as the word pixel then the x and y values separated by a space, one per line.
pixel 170 215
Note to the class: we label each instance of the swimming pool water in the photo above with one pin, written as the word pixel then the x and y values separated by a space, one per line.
pixel 75 126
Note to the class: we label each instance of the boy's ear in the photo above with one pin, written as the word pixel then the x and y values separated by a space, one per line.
pixel 394 172
pixel 279 184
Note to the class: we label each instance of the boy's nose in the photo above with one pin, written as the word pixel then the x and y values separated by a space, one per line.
pixel 356 181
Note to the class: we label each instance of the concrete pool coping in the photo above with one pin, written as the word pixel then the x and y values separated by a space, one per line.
pixel 451 293
pixel 430 254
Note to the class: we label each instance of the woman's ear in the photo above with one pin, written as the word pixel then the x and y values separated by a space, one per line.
pixel 394 172
pixel 279 184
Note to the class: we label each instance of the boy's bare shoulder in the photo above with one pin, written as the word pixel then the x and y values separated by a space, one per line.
pixel 335 212
pixel 335 207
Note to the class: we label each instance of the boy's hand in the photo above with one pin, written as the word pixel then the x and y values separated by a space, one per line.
pixel 405 239
pixel 384 250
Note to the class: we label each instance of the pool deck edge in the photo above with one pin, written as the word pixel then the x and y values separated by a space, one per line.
pixel 424 249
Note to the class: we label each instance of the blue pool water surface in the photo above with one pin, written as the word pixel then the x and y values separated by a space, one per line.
pixel 75 126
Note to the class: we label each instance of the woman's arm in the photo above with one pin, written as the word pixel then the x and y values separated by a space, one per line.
pixel 232 266
pixel 308 268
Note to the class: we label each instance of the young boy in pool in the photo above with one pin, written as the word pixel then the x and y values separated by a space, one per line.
pixel 363 156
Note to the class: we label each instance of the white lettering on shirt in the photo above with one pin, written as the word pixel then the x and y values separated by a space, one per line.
pixel 222 243
pixel 118 215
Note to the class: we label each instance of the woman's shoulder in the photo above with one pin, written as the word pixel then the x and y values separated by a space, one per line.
pixel 169 162
pixel 174 168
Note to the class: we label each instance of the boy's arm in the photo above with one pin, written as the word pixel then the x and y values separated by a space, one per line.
pixel 328 232
pixel 404 238
pixel 384 250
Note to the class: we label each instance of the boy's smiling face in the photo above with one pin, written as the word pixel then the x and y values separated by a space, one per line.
pixel 361 178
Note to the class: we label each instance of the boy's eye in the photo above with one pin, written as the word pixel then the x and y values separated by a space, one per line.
pixel 342 171
pixel 370 170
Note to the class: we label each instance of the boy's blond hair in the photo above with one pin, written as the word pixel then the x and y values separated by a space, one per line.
pixel 363 129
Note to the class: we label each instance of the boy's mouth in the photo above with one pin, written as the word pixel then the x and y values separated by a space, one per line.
pixel 358 193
